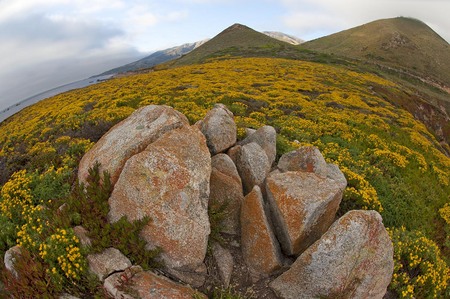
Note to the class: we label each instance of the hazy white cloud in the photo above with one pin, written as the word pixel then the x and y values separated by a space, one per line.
pixel 313 18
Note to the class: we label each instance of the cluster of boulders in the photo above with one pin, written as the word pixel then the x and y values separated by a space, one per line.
pixel 282 214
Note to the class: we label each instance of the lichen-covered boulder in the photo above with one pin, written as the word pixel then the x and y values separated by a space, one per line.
pixel 253 165
pixel 169 182
pixel 266 138
pixel 219 128
pixel 260 247
pixel 129 137
pixel 303 207
pixel 353 259
pixel 305 159
pixel 226 192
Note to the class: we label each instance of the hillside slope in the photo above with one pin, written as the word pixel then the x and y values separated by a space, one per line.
pixel 403 43
pixel 235 40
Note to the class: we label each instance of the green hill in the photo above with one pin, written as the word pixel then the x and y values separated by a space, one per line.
pixel 403 43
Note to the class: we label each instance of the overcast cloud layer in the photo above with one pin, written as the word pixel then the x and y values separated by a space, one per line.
pixel 47 43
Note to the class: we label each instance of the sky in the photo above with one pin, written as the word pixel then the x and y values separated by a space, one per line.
pixel 48 43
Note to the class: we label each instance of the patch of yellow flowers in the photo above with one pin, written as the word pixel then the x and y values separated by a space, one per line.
pixel 419 270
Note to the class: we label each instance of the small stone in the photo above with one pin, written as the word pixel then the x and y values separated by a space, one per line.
pixel 82 234
pixel 225 263
pixel 107 262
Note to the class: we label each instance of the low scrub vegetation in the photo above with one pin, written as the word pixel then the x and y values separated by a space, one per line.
pixel 393 164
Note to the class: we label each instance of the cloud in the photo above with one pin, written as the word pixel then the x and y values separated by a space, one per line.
pixel 313 18
pixel 48 43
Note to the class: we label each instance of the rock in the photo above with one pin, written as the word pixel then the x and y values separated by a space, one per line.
pixel 148 285
pixel 116 284
pixel 260 248
pixel 226 191
pixel 225 165
pixel 169 182
pixel 225 263
pixel 82 234
pixel 335 174
pixel 305 159
pixel 234 153
pixel 303 207
pixel 219 128
pixel 353 259
pixel 192 276
pixel 107 262
pixel 130 137
pixel 10 258
pixel 68 296
pixel 253 166
pixel 249 131
pixel 266 138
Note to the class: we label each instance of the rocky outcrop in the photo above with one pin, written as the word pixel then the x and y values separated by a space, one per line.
pixel 303 206
pixel 260 247
pixel 173 172
pixel 107 262
pixel 169 182
pixel 219 128
pixel 130 137
pixel 226 192
pixel 353 259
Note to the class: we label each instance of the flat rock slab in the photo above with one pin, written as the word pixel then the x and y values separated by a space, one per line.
pixel 107 262
pixel 353 259
pixel 303 207
pixel 129 137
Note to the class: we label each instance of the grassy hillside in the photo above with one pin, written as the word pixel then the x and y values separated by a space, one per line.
pixel 393 164
pixel 401 43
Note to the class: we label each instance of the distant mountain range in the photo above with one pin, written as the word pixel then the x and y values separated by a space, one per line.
pixel 178 51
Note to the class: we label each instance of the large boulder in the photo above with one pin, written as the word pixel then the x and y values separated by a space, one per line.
pixel 226 192
pixel 169 182
pixel 266 138
pixel 260 248
pixel 130 137
pixel 253 165
pixel 219 128
pixel 353 259
pixel 303 207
